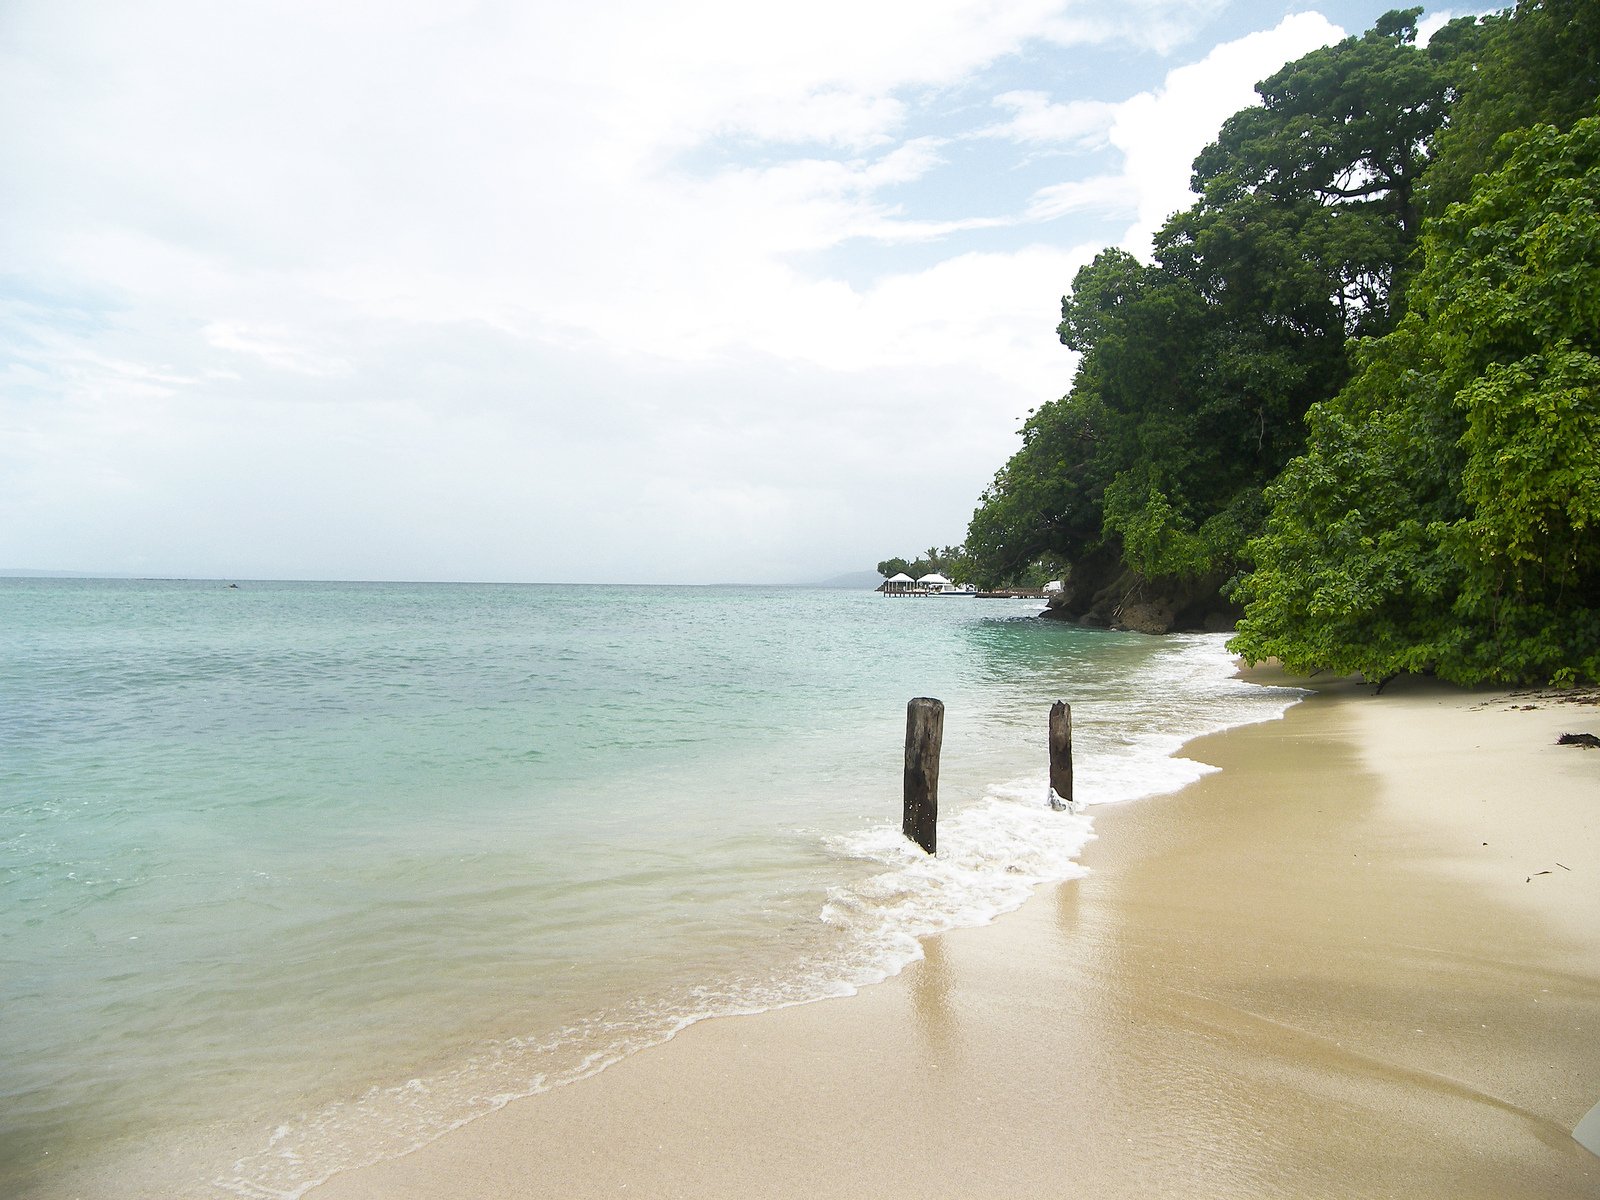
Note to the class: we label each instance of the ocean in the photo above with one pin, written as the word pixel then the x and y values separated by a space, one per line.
pixel 298 876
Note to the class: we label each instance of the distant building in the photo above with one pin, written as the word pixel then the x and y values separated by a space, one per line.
pixel 897 585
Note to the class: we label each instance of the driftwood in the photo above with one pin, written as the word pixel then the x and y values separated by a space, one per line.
pixel 1579 739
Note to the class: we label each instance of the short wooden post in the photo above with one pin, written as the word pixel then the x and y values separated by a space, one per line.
pixel 924 733
pixel 1060 755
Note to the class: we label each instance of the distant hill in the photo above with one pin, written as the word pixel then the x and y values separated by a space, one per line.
pixel 852 579
pixel 29 573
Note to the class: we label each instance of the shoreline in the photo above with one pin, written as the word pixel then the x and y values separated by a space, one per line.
pixel 420 986
pixel 1304 974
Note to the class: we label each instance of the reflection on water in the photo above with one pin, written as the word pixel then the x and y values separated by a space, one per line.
pixel 930 999
pixel 1068 911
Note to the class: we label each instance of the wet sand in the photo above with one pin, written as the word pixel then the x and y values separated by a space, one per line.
pixel 1363 960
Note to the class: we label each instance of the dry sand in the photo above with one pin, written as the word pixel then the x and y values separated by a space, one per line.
pixel 1337 968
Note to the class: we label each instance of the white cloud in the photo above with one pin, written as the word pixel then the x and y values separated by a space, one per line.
pixel 1103 194
pixel 274 345
pixel 1036 119
pixel 346 279
pixel 1153 24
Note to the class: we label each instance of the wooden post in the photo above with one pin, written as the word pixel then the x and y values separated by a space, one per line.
pixel 1060 755
pixel 924 733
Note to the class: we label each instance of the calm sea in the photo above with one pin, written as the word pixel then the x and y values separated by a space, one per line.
pixel 295 876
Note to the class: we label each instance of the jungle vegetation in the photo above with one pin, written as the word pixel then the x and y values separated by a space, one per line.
pixel 1356 390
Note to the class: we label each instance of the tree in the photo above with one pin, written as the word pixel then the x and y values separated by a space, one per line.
pixel 1346 124
pixel 1536 64
pixel 1197 370
pixel 1330 161
pixel 1045 500
pixel 1445 516
pixel 1354 571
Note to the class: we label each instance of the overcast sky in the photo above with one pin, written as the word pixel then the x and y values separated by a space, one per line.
pixel 685 291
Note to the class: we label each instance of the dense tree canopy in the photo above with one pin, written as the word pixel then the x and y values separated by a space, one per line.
pixel 1361 375
pixel 1447 514
pixel 1538 64
pixel 1197 369
pixel 1330 160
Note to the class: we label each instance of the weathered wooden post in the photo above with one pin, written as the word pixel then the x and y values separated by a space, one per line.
pixel 1060 755
pixel 924 733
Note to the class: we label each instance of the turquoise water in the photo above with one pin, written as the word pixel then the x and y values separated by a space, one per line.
pixel 299 875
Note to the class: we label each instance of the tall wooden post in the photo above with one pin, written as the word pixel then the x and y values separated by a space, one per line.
pixel 924 733
pixel 1060 755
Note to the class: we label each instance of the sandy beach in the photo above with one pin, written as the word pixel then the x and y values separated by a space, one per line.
pixel 1361 960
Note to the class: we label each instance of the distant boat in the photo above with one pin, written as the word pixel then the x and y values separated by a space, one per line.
pixel 936 584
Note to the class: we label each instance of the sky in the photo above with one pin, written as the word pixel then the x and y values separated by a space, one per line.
pixel 693 292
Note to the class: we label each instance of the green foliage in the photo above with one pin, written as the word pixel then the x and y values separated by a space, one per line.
pixel 1156 537
pixel 1537 64
pixel 1046 500
pixel 1445 514
pixel 1352 574
pixel 1347 124
pixel 1197 370
pixel 1310 207
pixel 1366 361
